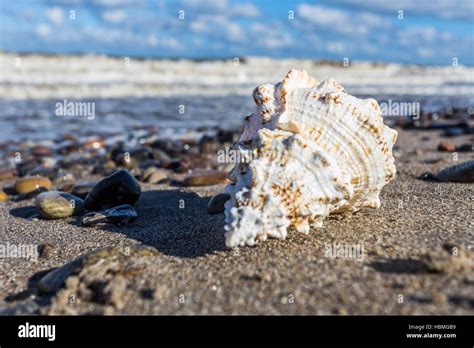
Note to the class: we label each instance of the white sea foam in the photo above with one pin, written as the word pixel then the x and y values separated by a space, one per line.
pixel 94 76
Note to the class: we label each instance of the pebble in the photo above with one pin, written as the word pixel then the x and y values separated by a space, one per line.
pixel 161 156
pixel 29 307
pixel 67 187
pixel 58 205
pixel 28 184
pixel 40 151
pixel 427 176
pixel 216 204
pixel 120 215
pixel 446 147
pixel 463 172
pixel 23 168
pixel 453 131
pixel 171 148
pixel 94 143
pixel 109 164
pixel 206 178
pixel 172 165
pixel 54 280
pixel 133 157
pixel 104 169
pixel 151 163
pixel 82 189
pixel 49 162
pixel 63 178
pixel 6 174
pixel 193 161
pixel 227 136
pixel 444 261
pixel 208 144
pixel 433 160
pixel 154 175
pixel 46 250
pixel 68 147
pixel 74 159
pixel 29 195
pixel 44 172
pixel 465 148
pixel 34 217
pixel 116 189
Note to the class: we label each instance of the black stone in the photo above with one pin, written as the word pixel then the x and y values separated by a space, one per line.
pixel 226 136
pixel 120 215
pixel 465 148
pixel 428 177
pixel 453 132
pixel 81 190
pixel 29 195
pixel 117 189
pixel 133 157
pixel 216 204
pixel 23 168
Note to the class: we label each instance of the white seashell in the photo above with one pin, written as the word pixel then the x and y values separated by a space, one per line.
pixel 317 150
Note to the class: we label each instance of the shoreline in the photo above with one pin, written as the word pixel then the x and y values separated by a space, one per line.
pixel 39 77
pixel 316 60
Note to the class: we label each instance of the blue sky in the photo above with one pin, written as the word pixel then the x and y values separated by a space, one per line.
pixel 430 32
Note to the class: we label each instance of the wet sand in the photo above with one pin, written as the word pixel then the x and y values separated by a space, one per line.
pixel 418 254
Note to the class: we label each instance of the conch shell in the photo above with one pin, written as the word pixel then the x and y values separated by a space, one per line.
pixel 308 151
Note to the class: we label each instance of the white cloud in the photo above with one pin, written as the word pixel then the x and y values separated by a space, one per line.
pixel 369 48
pixel 322 15
pixel 234 31
pixel 424 52
pixel 336 47
pixel 276 38
pixel 373 19
pixel 414 34
pixel 222 7
pixel 258 28
pixel 339 21
pixel 426 36
pixel 109 35
pixel 55 15
pixel 273 42
pixel 43 30
pixel 445 9
pixel 368 34
pixel 114 16
pixel 199 26
pixel 113 3
pixel 152 40
pixel 245 10
pixel 356 29
pixel 218 26
pixel 155 41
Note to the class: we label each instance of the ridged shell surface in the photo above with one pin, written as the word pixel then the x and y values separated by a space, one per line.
pixel 309 150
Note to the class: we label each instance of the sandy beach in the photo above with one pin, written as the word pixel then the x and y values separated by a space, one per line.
pixel 222 165
pixel 417 254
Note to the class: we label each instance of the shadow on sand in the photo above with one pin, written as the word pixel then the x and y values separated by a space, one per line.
pixel 175 223
pixel 24 212
pixel 172 221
